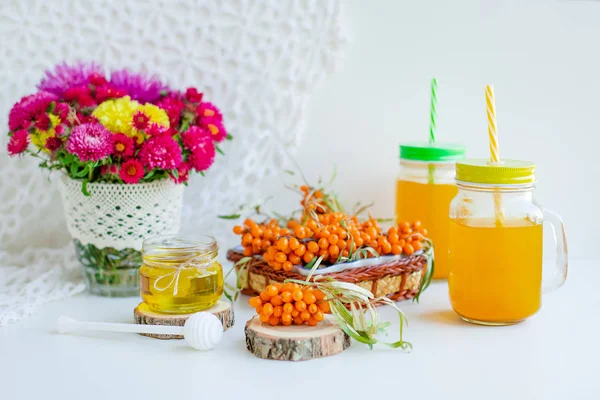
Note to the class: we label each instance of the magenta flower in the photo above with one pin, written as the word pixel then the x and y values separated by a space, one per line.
pixel 140 121
pixel 161 152
pixel 28 108
pixel 42 122
pixel 131 171
pixel 67 76
pixel 107 91
pixel 216 128
pixel 18 142
pixel 156 130
pixel 90 142
pixel 208 110
pixel 82 95
pixel 203 155
pixel 53 143
pixel 195 136
pixel 193 95
pixel 62 110
pixel 183 172
pixel 140 87
pixel 110 169
pixel 173 107
pixel 122 145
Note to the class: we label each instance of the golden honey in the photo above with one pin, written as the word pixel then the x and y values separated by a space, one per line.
pixel 180 276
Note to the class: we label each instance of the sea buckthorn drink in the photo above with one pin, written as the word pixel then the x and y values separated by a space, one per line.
pixel 424 190
pixel 180 276
pixel 496 235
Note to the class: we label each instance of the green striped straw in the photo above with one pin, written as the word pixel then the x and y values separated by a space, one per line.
pixel 432 124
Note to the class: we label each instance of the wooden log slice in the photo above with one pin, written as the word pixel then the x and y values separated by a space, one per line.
pixel 144 316
pixel 295 342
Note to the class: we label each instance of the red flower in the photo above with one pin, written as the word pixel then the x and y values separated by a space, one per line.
pixel 62 110
pixel 131 171
pixel 108 92
pixel 194 137
pixel 140 121
pixel 183 172
pixel 208 110
pixel 173 107
pixel 82 95
pixel 18 142
pixel 97 79
pixel 203 155
pixel 156 130
pixel 122 145
pixel 192 95
pixel 42 121
pixel 216 128
pixel 161 152
pixel 59 130
pixel 53 143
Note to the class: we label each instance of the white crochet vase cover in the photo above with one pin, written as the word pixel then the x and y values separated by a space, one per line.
pixel 121 216
pixel 258 60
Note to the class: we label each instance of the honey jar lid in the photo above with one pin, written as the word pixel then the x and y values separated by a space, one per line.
pixel 432 151
pixel 507 172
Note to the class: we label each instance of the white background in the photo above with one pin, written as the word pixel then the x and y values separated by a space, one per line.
pixel 542 58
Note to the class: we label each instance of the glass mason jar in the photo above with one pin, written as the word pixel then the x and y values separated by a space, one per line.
pixel 179 275
pixel 496 250
pixel 424 189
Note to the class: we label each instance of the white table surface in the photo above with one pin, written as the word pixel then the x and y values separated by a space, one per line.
pixel 554 355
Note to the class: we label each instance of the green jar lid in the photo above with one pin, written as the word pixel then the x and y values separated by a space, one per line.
pixel 432 151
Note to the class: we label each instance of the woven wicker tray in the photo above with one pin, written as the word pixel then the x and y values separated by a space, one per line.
pixel 398 279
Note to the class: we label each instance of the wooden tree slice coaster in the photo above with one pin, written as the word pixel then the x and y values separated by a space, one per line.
pixel 295 342
pixel 144 316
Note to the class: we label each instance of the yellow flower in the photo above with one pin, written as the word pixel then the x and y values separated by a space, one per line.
pixel 156 114
pixel 116 115
pixel 39 137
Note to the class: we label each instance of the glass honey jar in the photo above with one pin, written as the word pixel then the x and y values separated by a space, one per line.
pixel 180 275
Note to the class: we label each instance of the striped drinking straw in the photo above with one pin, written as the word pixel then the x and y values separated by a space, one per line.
pixel 494 148
pixel 432 123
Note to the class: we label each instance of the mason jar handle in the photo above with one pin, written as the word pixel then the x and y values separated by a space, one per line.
pixel 562 253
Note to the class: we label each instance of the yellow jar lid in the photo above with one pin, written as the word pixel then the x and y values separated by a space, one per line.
pixel 508 172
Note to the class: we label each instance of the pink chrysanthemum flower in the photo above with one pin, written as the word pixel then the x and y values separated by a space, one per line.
pixel 173 107
pixel 195 136
pixel 90 142
pixel 122 145
pixel 42 122
pixel 161 152
pixel 62 110
pixel 183 173
pixel 208 110
pixel 193 95
pixel 203 155
pixel 18 142
pixel 24 112
pixel 131 171
pixel 66 76
pixel 140 87
pixel 53 143
pixel 216 128
pixel 140 121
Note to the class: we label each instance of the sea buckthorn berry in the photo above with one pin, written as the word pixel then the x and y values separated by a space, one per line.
pixel 318 194
pixel 249 222
pixel 308 256
pixel 309 298
pixel 277 311
pixel 258 309
pixel 276 265
pixel 358 243
pixel 256 231
pixel 417 246
pixel 272 290
pixel 300 305
pixel 264 318
pixel 396 249
pixel 238 230
pixel 295 313
pixel 408 249
pixel 300 250
pixel 293 243
pixel 386 247
pixel 319 294
pixel 313 308
pixel 371 231
pixel 267 309
pixel 312 322
pixel 393 238
pixel 324 306
pixel 292 223
pixel 333 238
pixel 304 188
pixel 300 232
pixel 255 301
pixel 324 253
pixel 417 225
pixel 286 319
pixel 287 266
pixel 247 239
pixel 334 251
pixel 284 232
pixel 393 231
pixel 323 243
pixel 298 320
pixel 278 286
pixel 313 247
pixel 248 251
pixel 305 315
pixel 257 242
pixel 267 234
pixel 265 296
pixel 294 259
pixel 286 297
pixel 297 295
pixel 365 237
pixel 276 300
pixel 274 321
pixel 280 257
pixel 288 308
pixel 423 232
pixel 287 287
pixel 265 245
pixel 319 316
pixel 282 243
pixel 342 244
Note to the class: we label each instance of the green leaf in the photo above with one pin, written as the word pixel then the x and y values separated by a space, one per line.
pixel 51 107
pixel 84 188
pixel 202 173
pixel 231 216
pixel 221 152
pixel 151 174
pixel 229 137
pixel 289 172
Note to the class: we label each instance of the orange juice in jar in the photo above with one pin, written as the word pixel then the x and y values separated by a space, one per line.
pixel 496 235
pixel 424 190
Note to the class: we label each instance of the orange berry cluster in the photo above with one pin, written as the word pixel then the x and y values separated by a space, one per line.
pixel 321 232
pixel 290 304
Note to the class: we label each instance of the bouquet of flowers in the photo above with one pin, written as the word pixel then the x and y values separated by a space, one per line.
pixel 125 143
pixel 124 128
